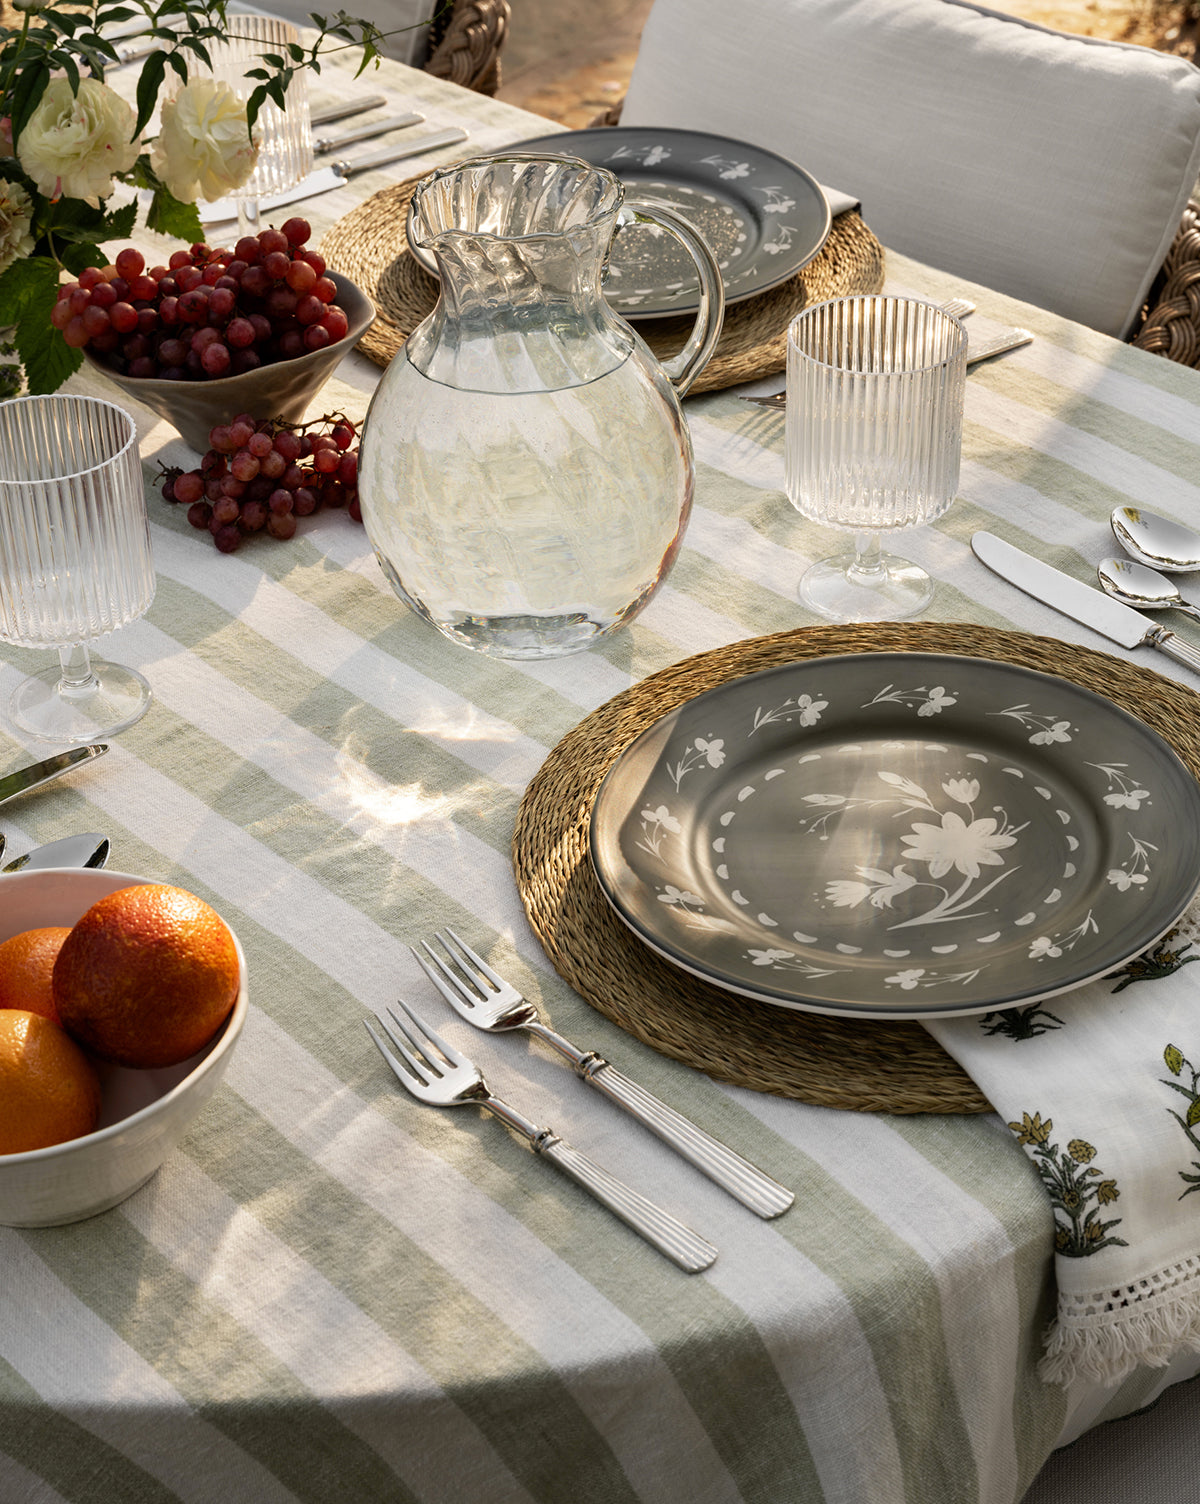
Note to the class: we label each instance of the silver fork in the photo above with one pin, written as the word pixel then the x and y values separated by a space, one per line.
pixel 486 1000
pixel 434 1071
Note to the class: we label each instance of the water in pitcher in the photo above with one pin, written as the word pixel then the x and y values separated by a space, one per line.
pixel 524 524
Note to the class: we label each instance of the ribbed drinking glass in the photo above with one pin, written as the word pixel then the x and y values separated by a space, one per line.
pixel 285 142
pixel 873 442
pixel 75 560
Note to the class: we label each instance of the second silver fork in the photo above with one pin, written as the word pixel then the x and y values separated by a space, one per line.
pixel 486 1000
pixel 431 1069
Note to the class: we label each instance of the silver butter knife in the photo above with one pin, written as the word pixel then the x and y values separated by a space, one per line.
pixel 336 175
pixel 38 773
pixel 1080 602
pixel 323 145
pixel 347 107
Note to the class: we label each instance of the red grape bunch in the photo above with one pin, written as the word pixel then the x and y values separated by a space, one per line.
pixel 207 313
pixel 262 473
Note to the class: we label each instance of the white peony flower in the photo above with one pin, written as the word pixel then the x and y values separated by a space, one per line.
pixel 16 216
pixel 203 150
pixel 73 144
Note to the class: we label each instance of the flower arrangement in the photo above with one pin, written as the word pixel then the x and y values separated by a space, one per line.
pixel 68 140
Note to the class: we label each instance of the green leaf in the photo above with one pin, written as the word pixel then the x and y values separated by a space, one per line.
pixel 80 254
pixel 118 225
pixel 168 216
pixel 1174 1059
pixel 24 285
pixel 47 358
pixel 27 93
pixel 149 83
pixel 1193 1113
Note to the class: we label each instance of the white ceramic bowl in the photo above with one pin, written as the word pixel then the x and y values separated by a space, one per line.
pixel 143 1114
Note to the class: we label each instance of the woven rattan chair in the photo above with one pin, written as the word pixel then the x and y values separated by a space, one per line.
pixel 465 43
pixel 1171 326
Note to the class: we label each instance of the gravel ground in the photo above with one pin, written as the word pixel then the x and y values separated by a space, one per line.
pixel 571 59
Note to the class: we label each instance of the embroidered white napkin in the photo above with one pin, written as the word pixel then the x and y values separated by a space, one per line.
pixel 1102 1088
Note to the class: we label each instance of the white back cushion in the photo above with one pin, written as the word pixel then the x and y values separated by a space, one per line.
pixel 1052 167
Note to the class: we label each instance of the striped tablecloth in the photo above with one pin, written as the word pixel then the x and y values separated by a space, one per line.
pixel 330 1293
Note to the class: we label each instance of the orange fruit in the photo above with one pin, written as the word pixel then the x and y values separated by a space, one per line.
pixel 26 968
pixel 147 976
pixel 49 1090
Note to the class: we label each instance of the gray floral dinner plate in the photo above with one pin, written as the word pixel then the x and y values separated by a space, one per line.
pixel 762 216
pixel 898 835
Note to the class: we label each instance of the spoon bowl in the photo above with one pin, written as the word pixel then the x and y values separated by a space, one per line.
pixel 1156 541
pixel 88 850
pixel 1138 585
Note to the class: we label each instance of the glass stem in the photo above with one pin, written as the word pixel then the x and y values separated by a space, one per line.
pixel 248 217
pixel 77 676
pixel 868 564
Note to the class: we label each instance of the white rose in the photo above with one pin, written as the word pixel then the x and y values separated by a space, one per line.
pixel 73 144
pixel 16 216
pixel 204 150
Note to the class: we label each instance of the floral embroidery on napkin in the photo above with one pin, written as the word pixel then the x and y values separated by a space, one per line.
pixel 1077 1189
pixel 1160 961
pixel 1176 1064
pixel 1021 1023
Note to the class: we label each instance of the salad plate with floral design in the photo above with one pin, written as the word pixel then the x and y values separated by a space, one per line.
pixel 898 835
pixel 763 217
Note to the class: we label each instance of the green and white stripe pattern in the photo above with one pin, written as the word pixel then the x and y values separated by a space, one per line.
pixel 330 1292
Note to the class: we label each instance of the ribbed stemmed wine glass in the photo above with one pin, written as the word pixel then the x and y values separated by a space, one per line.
pixel 874 438
pixel 75 560
pixel 285 143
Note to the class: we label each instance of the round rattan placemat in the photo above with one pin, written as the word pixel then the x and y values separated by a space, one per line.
pixel 368 245
pixel 864 1065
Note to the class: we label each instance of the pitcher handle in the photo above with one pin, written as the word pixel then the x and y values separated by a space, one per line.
pixel 682 369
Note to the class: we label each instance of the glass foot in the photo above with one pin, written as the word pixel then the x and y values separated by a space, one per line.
pixel 889 591
pixel 111 699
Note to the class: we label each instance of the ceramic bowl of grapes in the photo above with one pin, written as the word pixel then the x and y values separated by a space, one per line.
pixel 258 328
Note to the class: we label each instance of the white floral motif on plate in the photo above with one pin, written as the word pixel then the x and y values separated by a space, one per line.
pixel 820 848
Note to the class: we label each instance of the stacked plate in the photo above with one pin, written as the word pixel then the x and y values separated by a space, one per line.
pixel 763 217
pixel 898 835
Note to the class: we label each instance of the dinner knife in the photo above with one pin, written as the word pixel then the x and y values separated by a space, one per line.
pixel 38 773
pixel 323 145
pixel 1073 598
pixel 347 107
pixel 336 175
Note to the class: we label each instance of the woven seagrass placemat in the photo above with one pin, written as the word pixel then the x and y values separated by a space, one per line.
pixel 368 245
pixel 865 1065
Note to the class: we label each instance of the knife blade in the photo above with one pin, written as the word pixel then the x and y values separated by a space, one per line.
pixel 323 145
pixel 346 108
pixel 336 175
pixel 1080 602
pixel 38 773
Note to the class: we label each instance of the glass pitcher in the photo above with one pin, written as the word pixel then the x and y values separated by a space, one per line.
pixel 525 470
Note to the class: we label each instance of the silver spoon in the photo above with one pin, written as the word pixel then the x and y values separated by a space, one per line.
pixel 1156 540
pixel 1137 585
pixel 88 850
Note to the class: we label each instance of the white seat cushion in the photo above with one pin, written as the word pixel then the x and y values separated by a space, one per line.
pixel 1055 168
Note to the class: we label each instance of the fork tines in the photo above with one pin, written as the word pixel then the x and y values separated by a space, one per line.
pixel 417 1042
pixel 469 965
